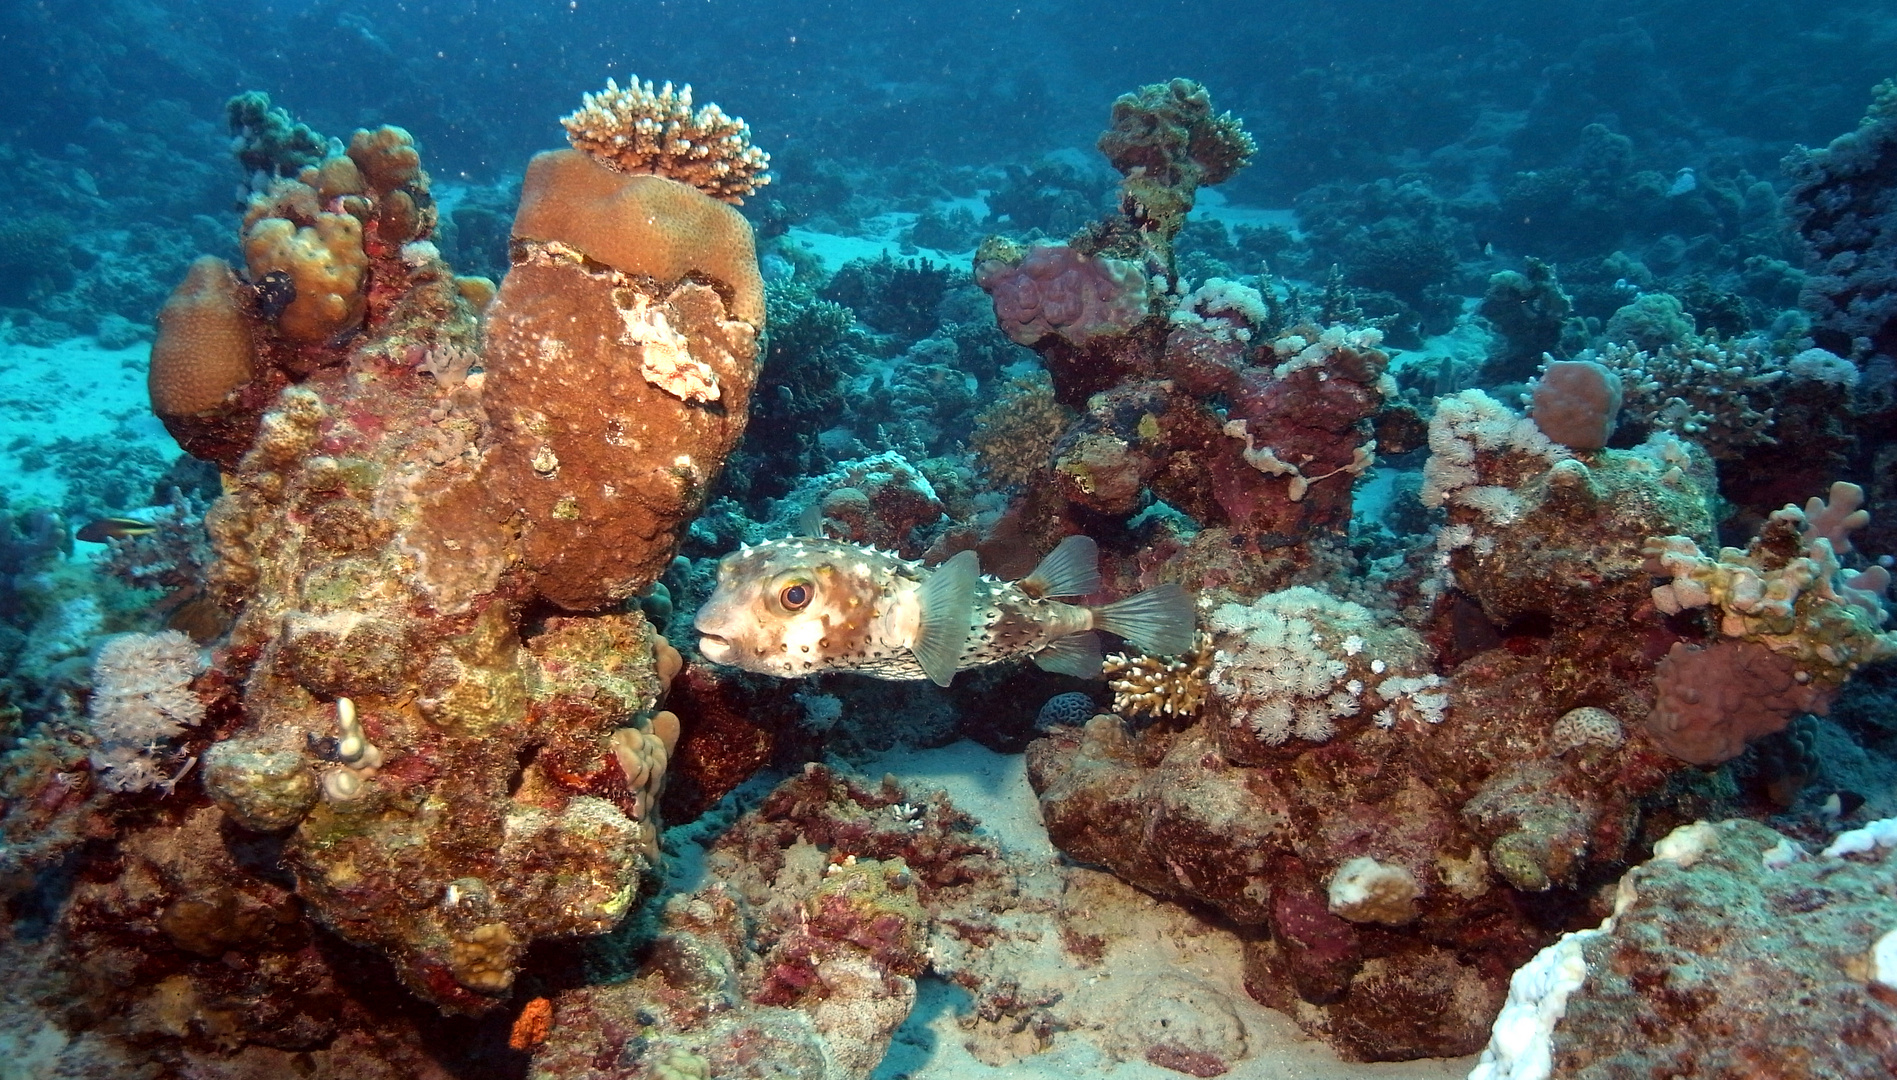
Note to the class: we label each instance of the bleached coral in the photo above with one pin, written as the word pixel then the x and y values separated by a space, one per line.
pixel 141 699
pixel 1464 425
pixel 636 129
pixel 1223 308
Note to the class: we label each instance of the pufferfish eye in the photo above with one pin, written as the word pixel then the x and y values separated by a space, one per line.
pixel 795 596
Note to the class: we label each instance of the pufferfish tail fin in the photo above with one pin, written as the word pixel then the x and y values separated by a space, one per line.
pixel 1159 622
pixel 947 600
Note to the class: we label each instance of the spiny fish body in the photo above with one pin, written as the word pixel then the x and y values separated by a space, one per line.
pixel 797 607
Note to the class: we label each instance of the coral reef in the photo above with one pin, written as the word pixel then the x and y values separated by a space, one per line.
pixel 1167 142
pixel 1841 203
pixel 1704 940
pixel 390 518
pixel 799 957
pixel 141 699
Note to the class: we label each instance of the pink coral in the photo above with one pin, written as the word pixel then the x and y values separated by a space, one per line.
pixel 1716 699
pixel 1057 290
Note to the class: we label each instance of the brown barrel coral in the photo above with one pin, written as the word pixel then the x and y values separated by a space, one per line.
pixel 205 348
pixel 641 224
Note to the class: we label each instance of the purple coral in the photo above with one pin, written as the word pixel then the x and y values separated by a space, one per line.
pixel 1057 290
pixel 1714 700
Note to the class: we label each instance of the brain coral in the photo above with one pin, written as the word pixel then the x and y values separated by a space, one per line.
pixel 205 348
pixel 1057 290
pixel 648 225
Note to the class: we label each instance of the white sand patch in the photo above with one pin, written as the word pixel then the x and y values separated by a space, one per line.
pixel 73 391
pixel 881 235
pixel 1151 944
pixel 1210 204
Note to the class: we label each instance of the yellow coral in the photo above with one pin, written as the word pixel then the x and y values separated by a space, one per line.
pixel 1161 685
pixel 638 130
pixel 327 263
pixel 1014 437
pixel 1786 590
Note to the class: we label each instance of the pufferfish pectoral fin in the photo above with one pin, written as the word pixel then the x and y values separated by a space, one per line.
pixel 1076 654
pixel 947 599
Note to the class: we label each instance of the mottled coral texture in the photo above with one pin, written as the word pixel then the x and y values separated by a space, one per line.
pixel 1053 289
pixel 1748 957
pixel 798 958
pixel 391 517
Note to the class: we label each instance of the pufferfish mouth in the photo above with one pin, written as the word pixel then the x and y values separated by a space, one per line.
pixel 714 648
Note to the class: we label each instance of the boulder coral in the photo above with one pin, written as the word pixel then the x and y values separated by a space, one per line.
pixel 206 347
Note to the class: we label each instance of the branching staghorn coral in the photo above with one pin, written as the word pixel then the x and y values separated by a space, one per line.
pixel 636 129
pixel 1161 685
pixel 1714 393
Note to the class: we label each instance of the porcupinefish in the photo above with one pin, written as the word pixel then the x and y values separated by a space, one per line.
pixel 796 607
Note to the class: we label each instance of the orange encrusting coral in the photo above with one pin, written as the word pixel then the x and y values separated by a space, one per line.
pixel 533 1025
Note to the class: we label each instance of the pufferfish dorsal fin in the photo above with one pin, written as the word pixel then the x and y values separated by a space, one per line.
pixel 1071 569
pixel 947 599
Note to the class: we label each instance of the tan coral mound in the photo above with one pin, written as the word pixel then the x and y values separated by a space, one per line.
pixel 639 130
pixel 327 263
pixel 205 348
pixel 647 225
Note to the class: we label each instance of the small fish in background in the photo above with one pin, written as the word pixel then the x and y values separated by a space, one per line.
pixel 110 528
pixel 800 606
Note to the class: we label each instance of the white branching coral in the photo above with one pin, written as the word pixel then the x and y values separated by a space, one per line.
pixel 636 129
pixel 1160 685
pixel 142 699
